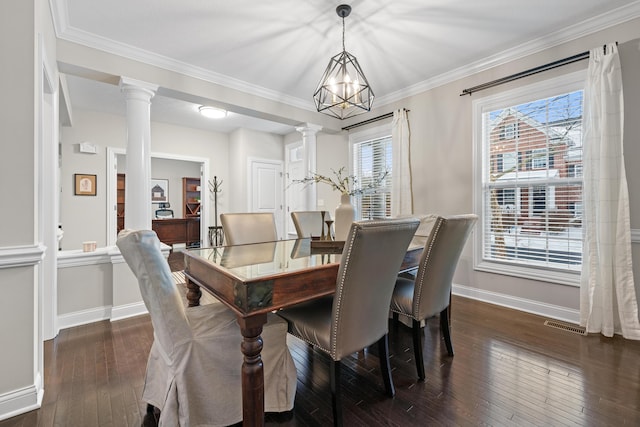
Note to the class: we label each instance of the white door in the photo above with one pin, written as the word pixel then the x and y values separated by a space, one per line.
pixel 266 189
pixel 295 196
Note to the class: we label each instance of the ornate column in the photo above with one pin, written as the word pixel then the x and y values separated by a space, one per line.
pixel 309 132
pixel 138 96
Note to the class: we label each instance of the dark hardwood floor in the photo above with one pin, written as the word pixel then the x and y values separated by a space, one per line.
pixel 509 370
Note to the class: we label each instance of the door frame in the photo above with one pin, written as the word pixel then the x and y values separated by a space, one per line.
pixel 112 196
pixel 291 231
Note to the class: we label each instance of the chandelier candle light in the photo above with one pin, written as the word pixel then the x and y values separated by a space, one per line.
pixel 343 90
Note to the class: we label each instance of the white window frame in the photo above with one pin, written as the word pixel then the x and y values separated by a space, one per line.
pixel 377 132
pixel 574 171
pixel 539 158
pixel 566 83
pixel 510 131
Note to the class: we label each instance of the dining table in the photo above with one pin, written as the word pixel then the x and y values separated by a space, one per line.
pixel 256 279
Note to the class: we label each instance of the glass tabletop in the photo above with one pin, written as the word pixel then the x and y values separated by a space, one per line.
pixel 263 259
pixel 248 262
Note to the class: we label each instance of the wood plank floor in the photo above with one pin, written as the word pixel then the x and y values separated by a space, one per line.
pixel 509 370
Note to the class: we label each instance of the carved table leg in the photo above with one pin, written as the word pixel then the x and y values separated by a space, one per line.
pixel 193 293
pixel 252 370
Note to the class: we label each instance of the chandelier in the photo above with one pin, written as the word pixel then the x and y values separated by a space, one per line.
pixel 343 90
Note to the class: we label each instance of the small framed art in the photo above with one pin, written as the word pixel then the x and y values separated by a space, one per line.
pixel 85 184
pixel 159 190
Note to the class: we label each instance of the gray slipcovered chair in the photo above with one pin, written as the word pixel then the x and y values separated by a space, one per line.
pixel 309 223
pixel 251 227
pixel 358 314
pixel 194 367
pixel 429 293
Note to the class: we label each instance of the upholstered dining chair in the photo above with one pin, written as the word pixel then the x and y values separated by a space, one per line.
pixel 194 368
pixel 310 223
pixel 250 227
pixel 429 293
pixel 357 315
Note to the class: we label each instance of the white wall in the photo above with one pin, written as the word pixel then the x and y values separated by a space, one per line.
pixel 245 144
pixel 99 286
pixel 26 33
pixel 442 161
pixel 85 217
pixel 332 152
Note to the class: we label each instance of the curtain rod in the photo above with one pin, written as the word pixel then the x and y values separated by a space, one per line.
pixel 530 72
pixel 371 120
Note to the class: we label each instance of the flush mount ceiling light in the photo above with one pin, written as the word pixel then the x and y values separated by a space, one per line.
pixel 343 90
pixel 212 112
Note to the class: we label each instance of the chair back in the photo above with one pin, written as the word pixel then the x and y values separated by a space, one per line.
pixel 164 213
pixel 372 256
pixel 252 227
pixel 309 223
pixel 141 250
pixel 438 264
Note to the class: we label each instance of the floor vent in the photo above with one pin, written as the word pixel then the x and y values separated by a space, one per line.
pixel 565 326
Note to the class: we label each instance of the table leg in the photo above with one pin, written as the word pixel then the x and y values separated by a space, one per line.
pixel 193 293
pixel 252 370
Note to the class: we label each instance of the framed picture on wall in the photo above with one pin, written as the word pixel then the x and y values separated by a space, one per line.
pixel 84 184
pixel 159 190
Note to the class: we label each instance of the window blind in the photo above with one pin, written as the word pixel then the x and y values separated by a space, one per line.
pixel 532 183
pixel 371 159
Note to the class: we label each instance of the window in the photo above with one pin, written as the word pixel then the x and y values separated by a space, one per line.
pixel 529 181
pixel 506 196
pixel 506 161
pixel 509 131
pixel 574 171
pixel 371 157
pixel 539 158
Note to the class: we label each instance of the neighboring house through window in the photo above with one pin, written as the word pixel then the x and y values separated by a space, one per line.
pixel 528 181
pixel 370 153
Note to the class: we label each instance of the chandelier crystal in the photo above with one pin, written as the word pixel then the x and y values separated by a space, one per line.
pixel 343 90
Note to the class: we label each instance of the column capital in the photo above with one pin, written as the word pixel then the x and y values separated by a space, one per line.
pixel 308 129
pixel 132 86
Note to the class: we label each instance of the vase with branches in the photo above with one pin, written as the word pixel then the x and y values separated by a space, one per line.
pixel 347 185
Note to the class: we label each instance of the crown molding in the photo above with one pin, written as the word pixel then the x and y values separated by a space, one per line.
pixel 573 32
pixel 64 31
pixel 75 35
pixel 60 15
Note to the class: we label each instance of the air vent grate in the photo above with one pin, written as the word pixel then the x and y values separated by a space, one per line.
pixel 565 326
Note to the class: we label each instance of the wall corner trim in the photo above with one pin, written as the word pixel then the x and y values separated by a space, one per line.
pixel 21 256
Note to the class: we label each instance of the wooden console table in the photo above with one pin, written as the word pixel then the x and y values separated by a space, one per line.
pixel 178 230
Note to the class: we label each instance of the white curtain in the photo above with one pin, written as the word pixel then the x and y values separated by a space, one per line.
pixel 401 195
pixel 608 301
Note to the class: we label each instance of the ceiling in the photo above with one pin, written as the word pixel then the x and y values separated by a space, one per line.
pixel 280 48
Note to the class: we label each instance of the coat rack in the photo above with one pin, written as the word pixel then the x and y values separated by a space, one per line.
pixel 216 234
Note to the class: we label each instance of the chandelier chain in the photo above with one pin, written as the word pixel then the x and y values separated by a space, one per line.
pixel 343 48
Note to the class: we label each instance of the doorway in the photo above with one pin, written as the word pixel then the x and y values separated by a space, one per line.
pixel 112 165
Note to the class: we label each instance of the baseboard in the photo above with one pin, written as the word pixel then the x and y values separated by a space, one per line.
pixel 522 304
pixel 20 401
pixel 128 310
pixel 83 317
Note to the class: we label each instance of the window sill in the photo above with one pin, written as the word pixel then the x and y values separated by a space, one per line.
pixel 566 278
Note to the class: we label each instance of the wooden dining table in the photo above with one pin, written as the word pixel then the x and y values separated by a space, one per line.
pixel 253 280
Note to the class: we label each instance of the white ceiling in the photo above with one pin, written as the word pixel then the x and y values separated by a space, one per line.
pixel 279 48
